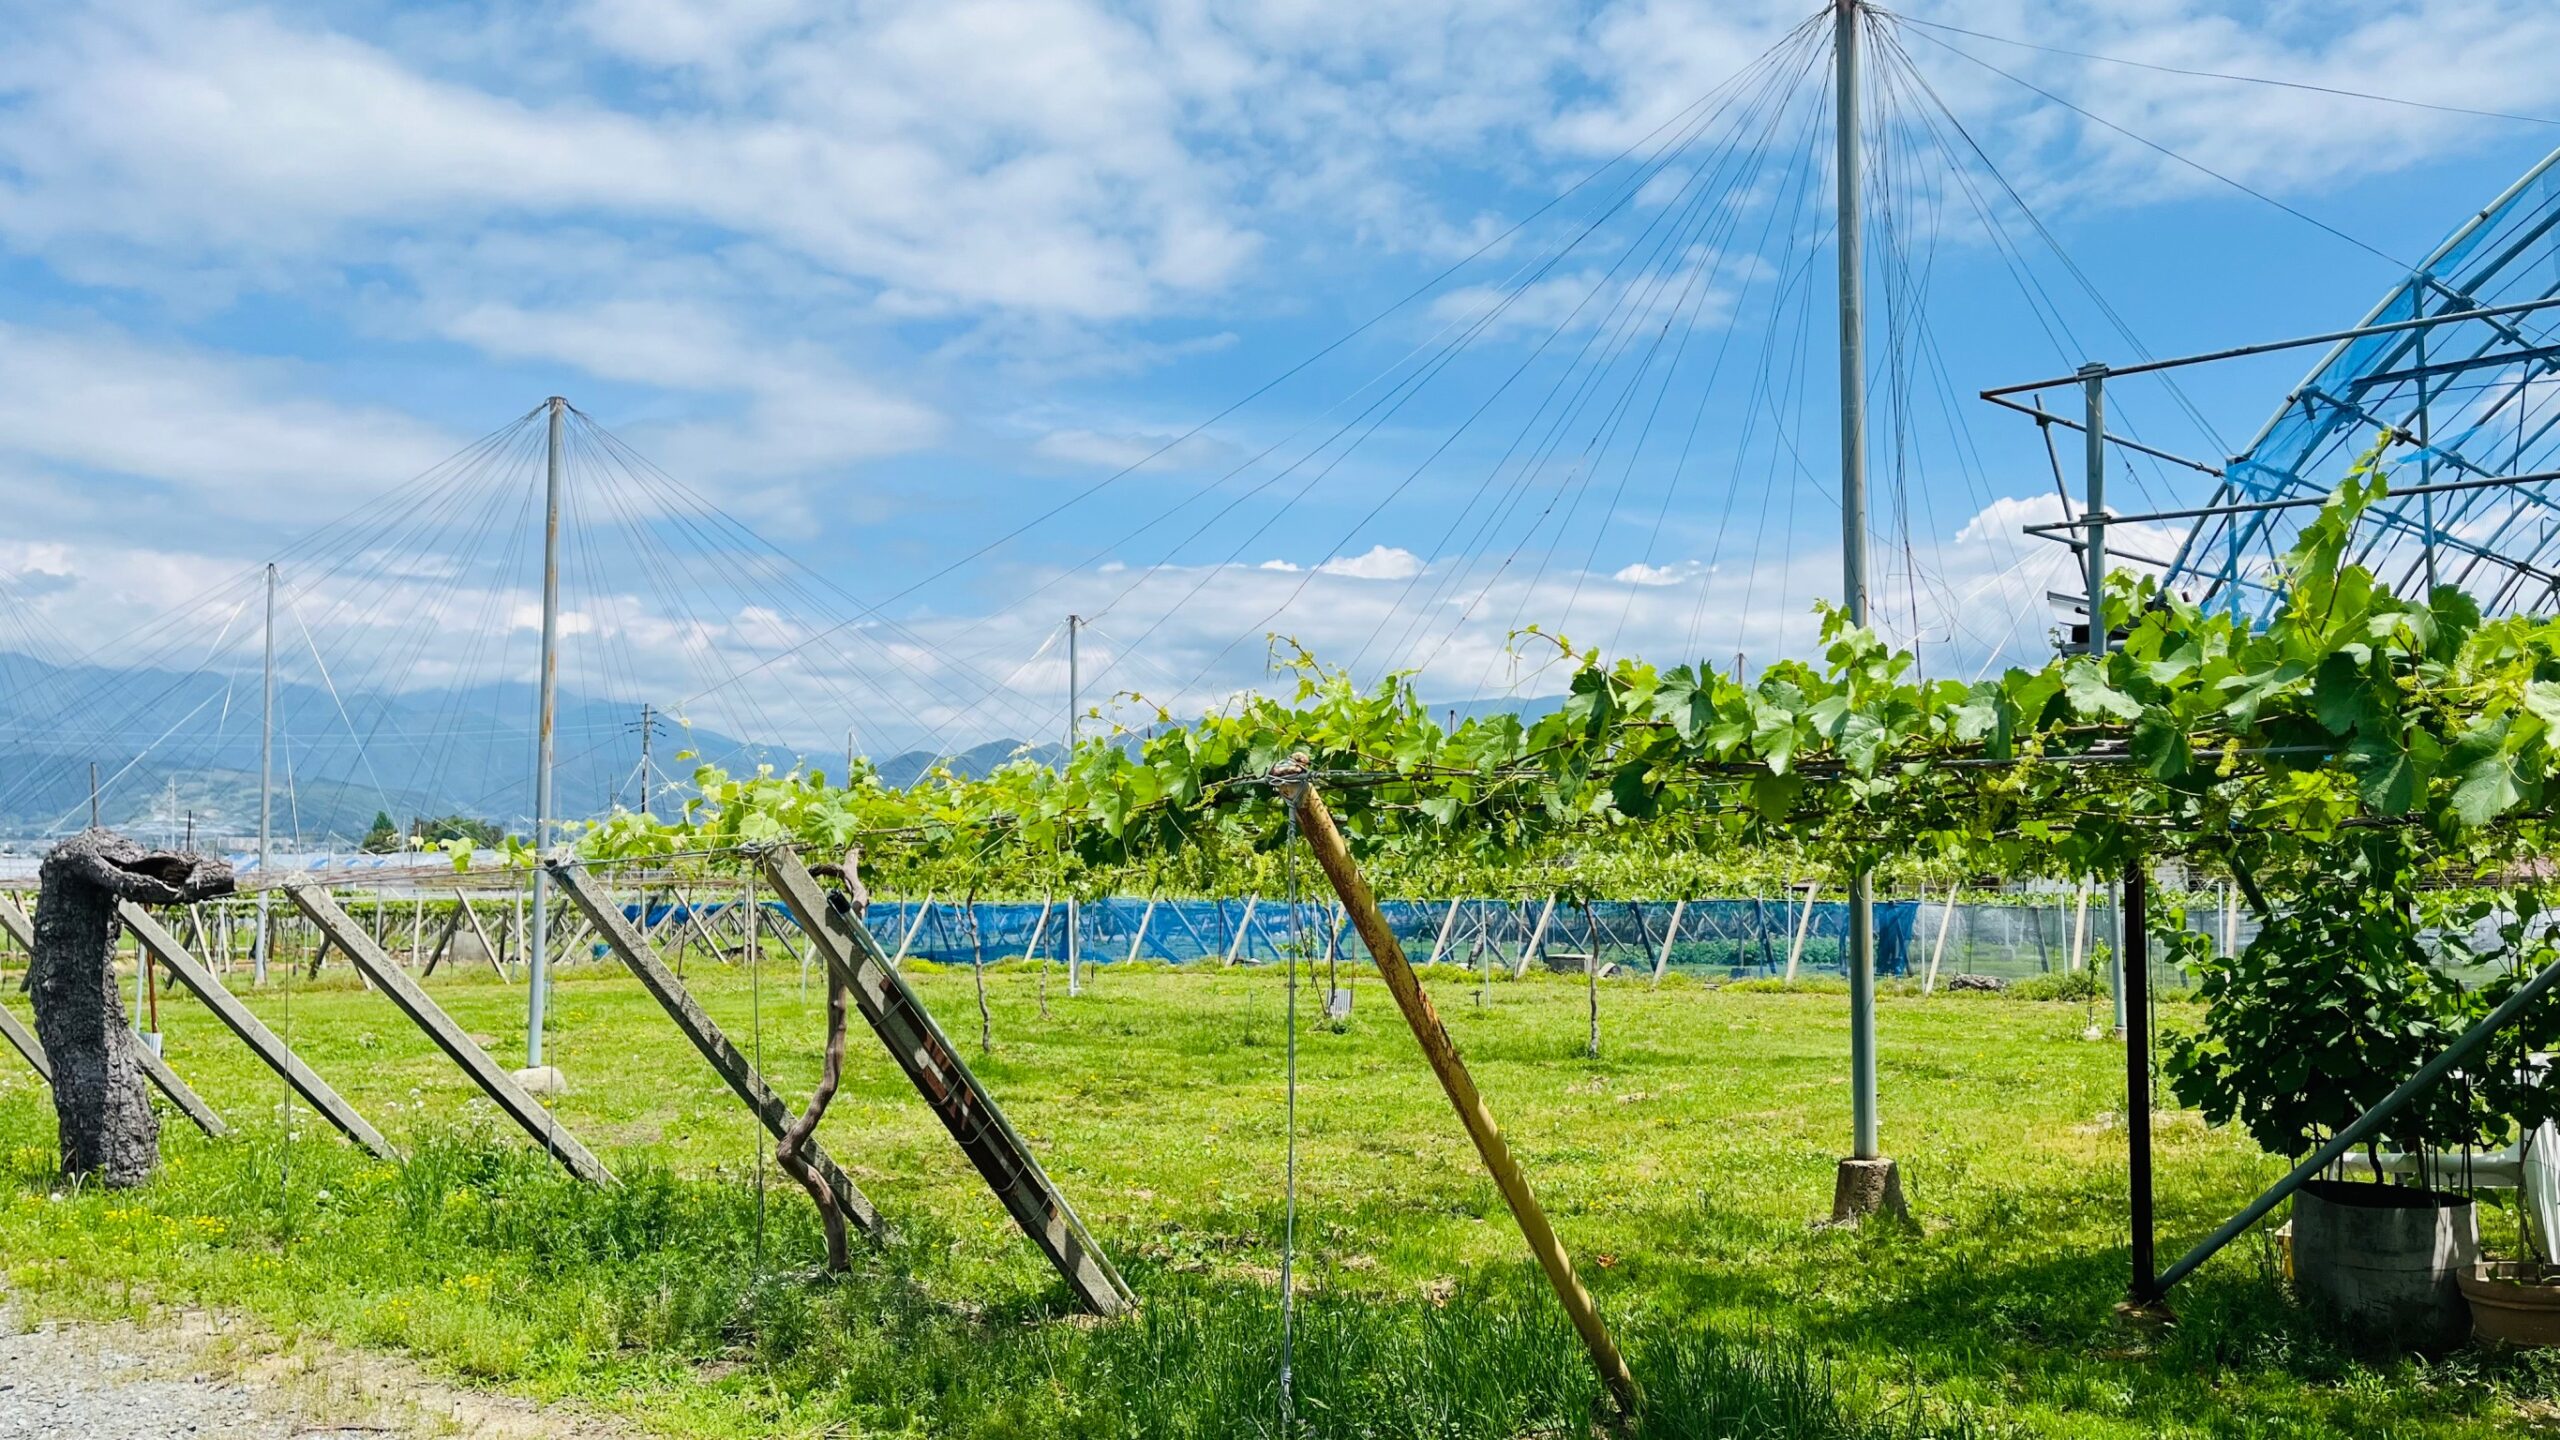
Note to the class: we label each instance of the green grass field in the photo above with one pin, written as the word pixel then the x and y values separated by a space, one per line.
pixel 1684 1168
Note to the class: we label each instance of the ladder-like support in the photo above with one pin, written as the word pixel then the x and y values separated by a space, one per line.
pixel 642 960
pixel 252 1031
pixel 314 900
pixel 958 1100
pixel 24 1041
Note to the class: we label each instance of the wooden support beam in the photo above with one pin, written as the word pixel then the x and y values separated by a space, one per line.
pixel 1537 937
pixel 252 1031
pixel 444 939
pixel 13 923
pixel 1244 928
pixel 1039 928
pixel 1938 947
pixel 20 929
pixel 1315 822
pixel 1440 945
pixel 488 946
pixel 958 1099
pixel 1804 927
pixel 908 940
pixel 1139 940
pixel 314 900
pixel 180 1094
pixel 689 917
pixel 1670 935
pixel 642 959
pixel 29 1048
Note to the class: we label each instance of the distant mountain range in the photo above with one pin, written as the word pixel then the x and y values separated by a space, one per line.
pixel 172 748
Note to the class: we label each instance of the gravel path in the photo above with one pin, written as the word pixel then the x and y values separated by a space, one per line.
pixel 185 1378
pixel 99 1382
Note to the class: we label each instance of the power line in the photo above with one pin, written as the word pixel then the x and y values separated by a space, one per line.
pixel 2150 144
pixel 2378 99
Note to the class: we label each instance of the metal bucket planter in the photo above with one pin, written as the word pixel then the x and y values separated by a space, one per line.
pixel 2386 1259
pixel 2514 1304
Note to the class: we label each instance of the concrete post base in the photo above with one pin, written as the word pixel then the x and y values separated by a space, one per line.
pixel 543 1080
pixel 1867 1187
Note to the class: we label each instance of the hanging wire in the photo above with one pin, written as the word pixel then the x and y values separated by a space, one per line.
pixel 1289 1201
pixel 755 1010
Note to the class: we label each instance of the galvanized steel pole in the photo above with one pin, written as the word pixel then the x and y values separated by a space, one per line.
pixel 2093 384
pixel 1845 16
pixel 538 987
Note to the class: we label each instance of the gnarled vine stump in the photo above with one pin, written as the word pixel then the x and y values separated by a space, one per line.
pixel 854 899
pixel 100 1098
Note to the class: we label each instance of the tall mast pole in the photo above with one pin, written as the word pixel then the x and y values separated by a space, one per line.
pixel 266 779
pixel 1075 731
pixel 1861 1189
pixel 539 976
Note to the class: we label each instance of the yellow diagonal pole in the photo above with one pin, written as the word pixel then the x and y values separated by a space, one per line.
pixel 1316 823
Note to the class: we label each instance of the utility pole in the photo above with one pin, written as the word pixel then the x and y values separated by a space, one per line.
pixel 848 755
pixel 538 975
pixel 1867 1181
pixel 93 794
pixel 1075 731
pixel 648 728
pixel 266 782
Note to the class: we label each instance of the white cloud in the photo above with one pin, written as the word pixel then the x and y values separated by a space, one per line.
pixel 233 432
pixel 1378 562
pixel 1058 186
pixel 1126 451
pixel 1641 573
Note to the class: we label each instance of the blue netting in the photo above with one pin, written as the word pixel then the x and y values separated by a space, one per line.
pixel 1738 937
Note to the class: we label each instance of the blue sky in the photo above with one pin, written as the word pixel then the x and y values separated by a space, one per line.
pixel 887 281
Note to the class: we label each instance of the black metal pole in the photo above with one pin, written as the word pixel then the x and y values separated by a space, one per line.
pixel 2136 979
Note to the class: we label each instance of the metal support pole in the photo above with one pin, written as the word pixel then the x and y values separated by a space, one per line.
pixel 2119 966
pixel 2134 995
pixel 2093 384
pixel 2426 466
pixel 1075 730
pixel 1846 16
pixel 266 779
pixel 538 974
